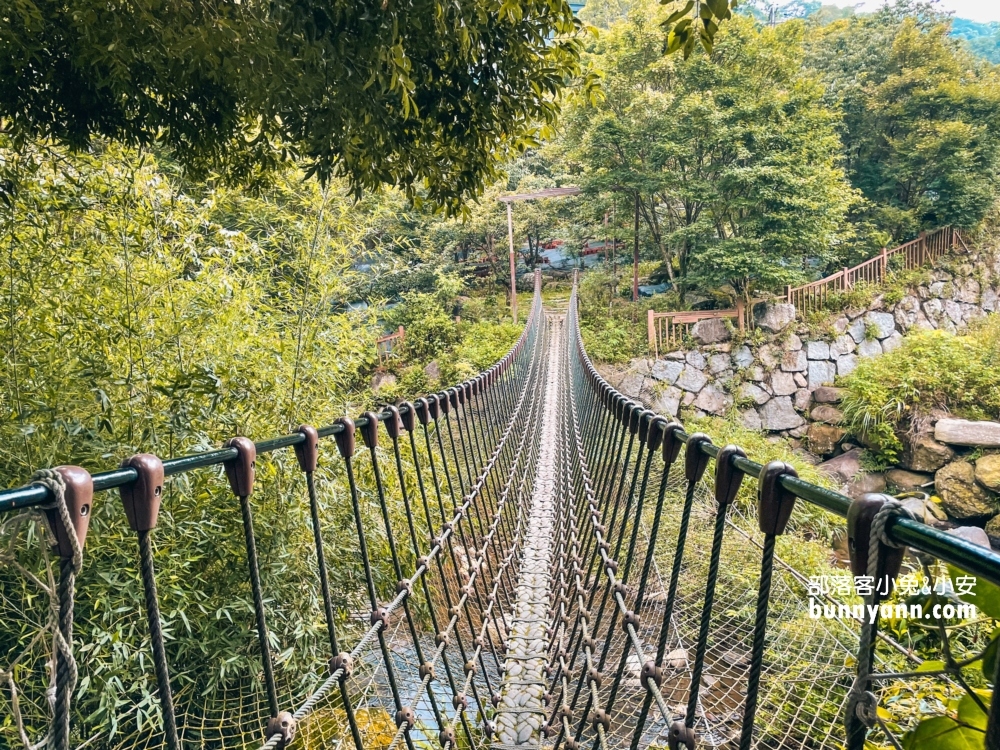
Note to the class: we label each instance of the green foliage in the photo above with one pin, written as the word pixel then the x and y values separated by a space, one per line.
pixel 731 156
pixel 684 31
pixel 921 117
pixel 143 314
pixel 931 370
pixel 422 94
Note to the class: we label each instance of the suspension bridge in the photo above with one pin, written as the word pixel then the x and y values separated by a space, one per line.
pixel 544 563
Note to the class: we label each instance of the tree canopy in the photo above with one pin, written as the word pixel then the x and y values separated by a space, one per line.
pixel 423 94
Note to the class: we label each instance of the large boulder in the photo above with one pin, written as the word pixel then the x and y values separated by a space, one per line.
pixel 823 438
pixel 864 484
pixel 750 419
pixel 883 323
pixel 921 452
pixel 960 496
pixel 713 400
pixel 965 432
pixel 773 317
pixel 779 414
pixel 817 350
pixel 668 401
pixel 988 471
pixel 827 414
pixel 794 361
pixel 907 480
pixel 753 392
pixel 710 331
pixel 666 370
pixel 827 394
pixel 783 383
pixel 821 373
pixel 844 467
pixel 846 364
pixel 692 379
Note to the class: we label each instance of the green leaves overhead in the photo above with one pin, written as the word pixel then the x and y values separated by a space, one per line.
pixel 419 94
pixel 684 29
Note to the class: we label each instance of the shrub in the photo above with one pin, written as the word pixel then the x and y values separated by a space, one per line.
pixel 931 370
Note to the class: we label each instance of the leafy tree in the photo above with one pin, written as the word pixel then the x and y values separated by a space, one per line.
pixel 732 155
pixel 921 118
pixel 410 94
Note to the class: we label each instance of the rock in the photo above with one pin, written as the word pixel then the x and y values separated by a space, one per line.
pixel 669 401
pixel 923 453
pixel 827 414
pixel 906 312
pixel 666 370
pixel 989 301
pixel 857 331
pixel 773 317
pixel 823 438
pixel 794 361
pixel 631 384
pixel 844 467
pixel 893 342
pixel 883 322
pixel 677 356
pixel 827 394
pixel 953 310
pixel 432 370
pixel 907 480
pixel 972 534
pixel 993 530
pixel 743 357
pixel 691 379
pixel 869 348
pixel 783 383
pixel 718 363
pixel 863 484
pixel 769 356
pixel 640 366
pixel 676 659
pixel 800 379
pixel 988 471
pixel 713 400
pixel 960 496
pixel 802 398
pixel 967 291
pixel 801 431
pixel 925 509
pixel 846 364
pixel 710 331
pixel 793 343
pixel 751 419
pixel 965 432
pixel 382 380
pixel 688 399
pixel 820 373
pixel 753 392
pixel 842 345
pixel 779 414
pixel 696 359
pixel 841 324
pixel 817 350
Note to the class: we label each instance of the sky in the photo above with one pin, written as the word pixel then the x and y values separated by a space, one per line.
pixel 975 10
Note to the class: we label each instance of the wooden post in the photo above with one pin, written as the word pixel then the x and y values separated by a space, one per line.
pixel 513 265
pixel 741 313
pixel 845 281
pixel 651 330
pixel 885 264
pixel 635 253
pixel 788 293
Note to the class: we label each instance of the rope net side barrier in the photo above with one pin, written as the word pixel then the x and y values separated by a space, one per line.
pixel 528 558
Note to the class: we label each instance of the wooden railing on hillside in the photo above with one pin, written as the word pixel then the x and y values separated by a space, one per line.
pixel 668 331
pixel 926 248
pixel 385 345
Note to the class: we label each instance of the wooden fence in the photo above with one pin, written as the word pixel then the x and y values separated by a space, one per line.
pixel 667 331
pixel 926 248
pixel 384 345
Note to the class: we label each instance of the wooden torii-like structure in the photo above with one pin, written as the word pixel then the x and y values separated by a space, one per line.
pixel 558 192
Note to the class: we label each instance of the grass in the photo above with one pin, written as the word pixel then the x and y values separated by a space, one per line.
pixel 931 370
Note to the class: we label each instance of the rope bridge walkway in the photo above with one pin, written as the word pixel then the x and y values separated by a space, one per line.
pixel 545 564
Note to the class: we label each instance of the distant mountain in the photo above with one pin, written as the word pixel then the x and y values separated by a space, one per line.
pixel 982 38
